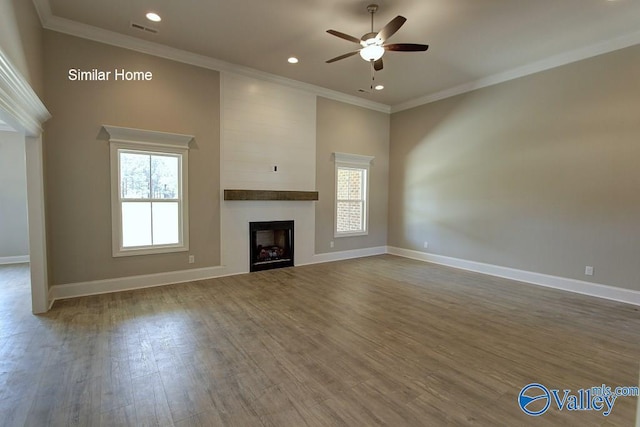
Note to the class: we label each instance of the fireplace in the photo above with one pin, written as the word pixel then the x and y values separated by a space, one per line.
pixel 271 245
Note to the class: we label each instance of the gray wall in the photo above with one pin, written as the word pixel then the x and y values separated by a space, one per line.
pixel 14 232
pixel 356 130
pixel 21 39
pixel 180 99
pixel 540 173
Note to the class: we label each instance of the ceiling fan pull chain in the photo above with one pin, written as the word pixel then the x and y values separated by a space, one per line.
pixel 373 74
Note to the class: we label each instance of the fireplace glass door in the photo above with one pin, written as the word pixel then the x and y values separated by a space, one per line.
pixel 271 245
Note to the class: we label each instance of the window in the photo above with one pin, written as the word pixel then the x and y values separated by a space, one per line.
pixel 149 190
pixel 351 200
pixel 352 194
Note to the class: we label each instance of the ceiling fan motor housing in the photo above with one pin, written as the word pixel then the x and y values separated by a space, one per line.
pixel 369 36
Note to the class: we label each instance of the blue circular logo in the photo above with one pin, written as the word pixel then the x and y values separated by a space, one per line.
pixel 532 397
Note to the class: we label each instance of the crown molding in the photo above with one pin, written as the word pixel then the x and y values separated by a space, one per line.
pixel 23 110
pixel 73 28
pixel 564 58
pixel 89 32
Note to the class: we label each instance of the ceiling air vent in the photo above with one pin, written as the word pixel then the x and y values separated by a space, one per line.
pixel 144 28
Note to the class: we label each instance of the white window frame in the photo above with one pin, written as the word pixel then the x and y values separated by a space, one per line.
pixel 352 161
pixel 148 142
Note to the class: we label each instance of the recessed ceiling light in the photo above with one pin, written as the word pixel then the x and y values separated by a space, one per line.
pixel 152 16
pixel 379 87
pixel 293 60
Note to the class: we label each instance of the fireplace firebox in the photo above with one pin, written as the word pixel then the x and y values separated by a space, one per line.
pixel 271 245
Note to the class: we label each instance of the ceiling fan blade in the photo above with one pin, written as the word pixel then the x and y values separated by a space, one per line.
pixel 344 36
pixel 377 65
pixel 391 28
pixel 406 47
pixel 338 58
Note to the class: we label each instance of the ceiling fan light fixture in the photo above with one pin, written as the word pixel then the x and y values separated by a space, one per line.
pixel 372 52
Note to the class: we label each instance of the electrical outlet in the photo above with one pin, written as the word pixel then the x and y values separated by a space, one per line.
pixel 192 259
pixel 426 245
pixel 588 270
pixel 331 244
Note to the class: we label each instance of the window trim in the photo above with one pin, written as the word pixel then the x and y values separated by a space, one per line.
pixel 148 142
pixel 353 161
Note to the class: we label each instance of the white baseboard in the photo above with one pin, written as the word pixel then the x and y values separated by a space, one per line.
pixel 572 285
pixel 14 259
pixel 119 284
pixel 94 287
pixel 350 254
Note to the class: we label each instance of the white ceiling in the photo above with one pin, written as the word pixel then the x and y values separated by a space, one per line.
pixel 472 42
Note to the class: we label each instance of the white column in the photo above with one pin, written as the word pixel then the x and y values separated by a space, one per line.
pixel 37 229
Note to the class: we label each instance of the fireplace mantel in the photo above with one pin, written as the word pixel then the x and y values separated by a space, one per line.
pixel 270 195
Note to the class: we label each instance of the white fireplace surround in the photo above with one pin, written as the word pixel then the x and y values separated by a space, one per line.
pixel 265 125
pixel 235 248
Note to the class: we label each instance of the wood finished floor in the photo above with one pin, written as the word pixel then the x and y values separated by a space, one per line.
pixel 373 341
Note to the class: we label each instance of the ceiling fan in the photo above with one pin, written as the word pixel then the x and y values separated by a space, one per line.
pixel 373 44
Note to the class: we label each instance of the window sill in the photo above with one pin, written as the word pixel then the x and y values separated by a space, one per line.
pixel 354 234
pixel 149 251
